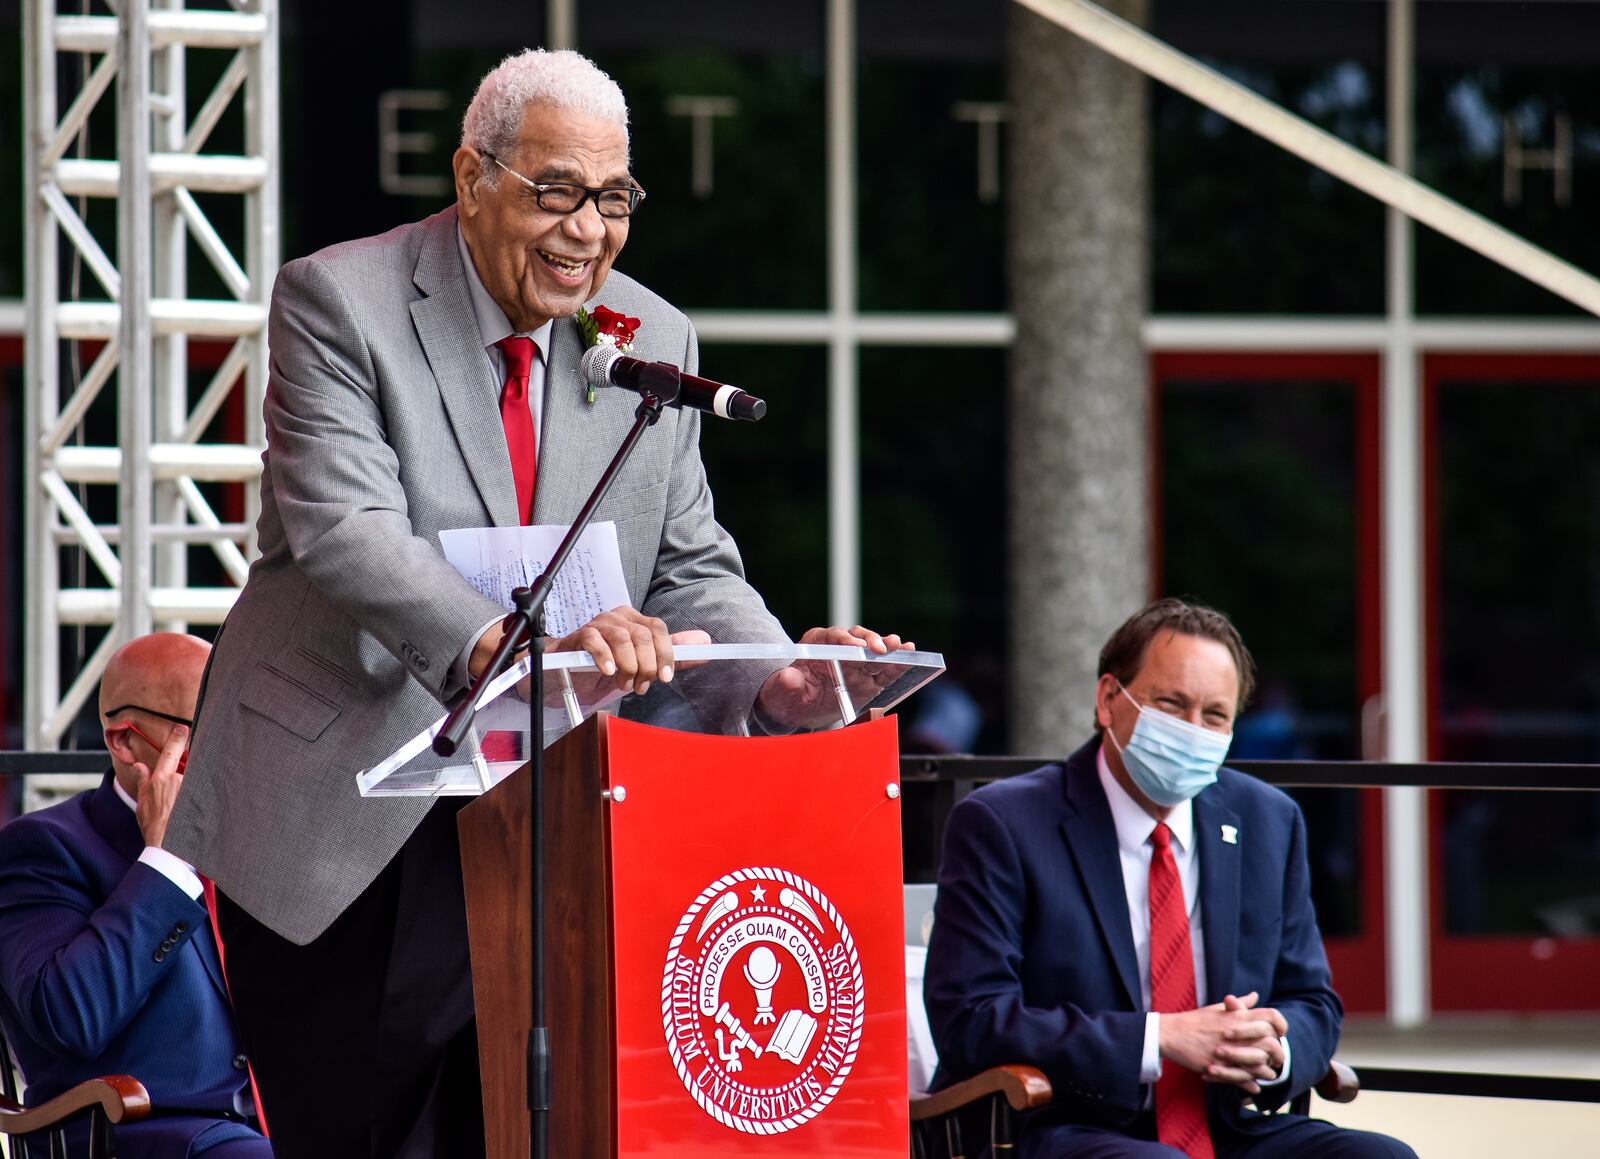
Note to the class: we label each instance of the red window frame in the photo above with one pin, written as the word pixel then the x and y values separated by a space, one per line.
pixel 1358 963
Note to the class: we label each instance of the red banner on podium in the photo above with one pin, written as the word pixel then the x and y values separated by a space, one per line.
pixel 759 942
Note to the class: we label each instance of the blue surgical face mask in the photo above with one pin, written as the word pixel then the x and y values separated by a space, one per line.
pixel 1170 760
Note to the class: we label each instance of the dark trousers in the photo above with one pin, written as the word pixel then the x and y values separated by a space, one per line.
pixel 1294 1137
pixel 363 1042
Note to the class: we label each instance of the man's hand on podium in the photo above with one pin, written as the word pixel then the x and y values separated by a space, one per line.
pixel 630 649
pixel 803 696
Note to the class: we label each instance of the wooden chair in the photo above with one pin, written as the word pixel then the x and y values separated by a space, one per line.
pixel 936 1119
pixel 41 1132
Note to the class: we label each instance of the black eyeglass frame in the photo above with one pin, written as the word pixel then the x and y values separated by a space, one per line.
pixel 540 188
pixel 183 720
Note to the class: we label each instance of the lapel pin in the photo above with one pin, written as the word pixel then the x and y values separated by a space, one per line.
pixel 1230 835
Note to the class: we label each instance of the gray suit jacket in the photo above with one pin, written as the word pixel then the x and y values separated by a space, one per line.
pixel 383 428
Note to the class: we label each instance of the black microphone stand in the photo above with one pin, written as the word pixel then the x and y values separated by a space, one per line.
pixel 525 627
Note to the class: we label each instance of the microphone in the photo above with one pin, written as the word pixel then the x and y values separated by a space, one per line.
pixel 607 366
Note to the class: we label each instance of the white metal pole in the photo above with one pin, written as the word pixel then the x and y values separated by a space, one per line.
pixel 1405 829
pixel 134 253
pixel 171 277
pixel 844 480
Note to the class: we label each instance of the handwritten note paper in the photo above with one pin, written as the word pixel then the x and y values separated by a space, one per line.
pixel 498 560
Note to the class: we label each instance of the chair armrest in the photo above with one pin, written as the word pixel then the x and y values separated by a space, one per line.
pixel 122 1098
pixel 1024 1087
pixel 1340 1085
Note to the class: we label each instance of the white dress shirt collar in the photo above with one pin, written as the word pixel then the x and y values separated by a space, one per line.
pixel 125 796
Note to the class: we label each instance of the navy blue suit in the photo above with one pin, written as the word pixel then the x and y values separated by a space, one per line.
pixel 107 967
pixel 1031 958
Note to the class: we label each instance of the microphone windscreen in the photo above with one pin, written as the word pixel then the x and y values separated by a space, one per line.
pixel 596 364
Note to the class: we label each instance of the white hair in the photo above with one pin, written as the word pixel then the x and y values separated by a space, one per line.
pixel 566 79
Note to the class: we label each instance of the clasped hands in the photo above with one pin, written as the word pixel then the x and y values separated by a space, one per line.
pixel 632 651
pixel 1233 1041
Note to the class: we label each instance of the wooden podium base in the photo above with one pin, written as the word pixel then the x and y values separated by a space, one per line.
pixel 724 945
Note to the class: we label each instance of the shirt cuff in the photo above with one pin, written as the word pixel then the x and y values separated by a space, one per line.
pixel 461 669
pixel 1150 1060
pixel 1283 1074
pixel 176 870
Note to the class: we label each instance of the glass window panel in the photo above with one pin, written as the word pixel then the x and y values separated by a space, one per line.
pixel 770 479
pixel 931 155
pixel 735 218
pixel 933 542
pixel 1518 640
pixel 1258 507
pixel 1238 225
pixel 1494 78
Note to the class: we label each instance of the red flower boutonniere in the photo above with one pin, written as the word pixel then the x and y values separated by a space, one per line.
pixel 607 326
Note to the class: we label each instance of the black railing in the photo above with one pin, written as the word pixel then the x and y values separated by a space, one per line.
pixel 20 764
pixel 971 771
pixel 933 784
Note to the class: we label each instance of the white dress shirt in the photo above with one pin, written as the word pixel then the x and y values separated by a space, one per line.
pixel 493 325
pixel 174 869
pixel 1134 827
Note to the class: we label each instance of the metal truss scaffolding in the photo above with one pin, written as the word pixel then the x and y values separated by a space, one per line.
pixel 125 565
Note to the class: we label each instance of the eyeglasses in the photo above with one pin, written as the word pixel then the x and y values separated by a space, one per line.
pixel 183 757
pixel 183 720
pixel 557 197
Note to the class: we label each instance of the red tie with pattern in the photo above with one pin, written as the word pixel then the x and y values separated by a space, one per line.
pixel 520 443
pixel 1180 1092
pixel 518 419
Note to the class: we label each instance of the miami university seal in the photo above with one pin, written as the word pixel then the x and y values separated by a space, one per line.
pixel 762 1000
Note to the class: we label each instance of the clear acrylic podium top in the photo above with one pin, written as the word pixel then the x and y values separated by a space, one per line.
pixel 711 691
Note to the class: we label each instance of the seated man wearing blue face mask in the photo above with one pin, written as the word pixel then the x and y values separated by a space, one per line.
pixel 1137 923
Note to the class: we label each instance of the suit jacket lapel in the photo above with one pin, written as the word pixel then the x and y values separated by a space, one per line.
pixel 447 327
pixel 563 483
pixel 1092 840
pixel 115 822
pixel 1219 888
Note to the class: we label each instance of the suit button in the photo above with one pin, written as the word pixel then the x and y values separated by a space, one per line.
pixel 240 1062
pixel 167 944
pixel 180 927
pixel 160 955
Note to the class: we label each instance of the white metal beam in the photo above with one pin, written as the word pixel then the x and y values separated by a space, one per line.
pixel 1162 332
pixel 192 28
pixel 1388 184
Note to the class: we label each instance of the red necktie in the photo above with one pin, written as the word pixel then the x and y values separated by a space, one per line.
pixel 208 890
pixel 1180 1092
pixel 518 419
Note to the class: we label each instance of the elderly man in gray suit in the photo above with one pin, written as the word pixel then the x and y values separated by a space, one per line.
pixel 410 372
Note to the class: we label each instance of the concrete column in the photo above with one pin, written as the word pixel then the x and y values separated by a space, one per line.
pixel 1079 426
